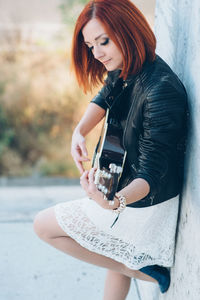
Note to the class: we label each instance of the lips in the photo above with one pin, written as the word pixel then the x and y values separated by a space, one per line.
pixel 106 61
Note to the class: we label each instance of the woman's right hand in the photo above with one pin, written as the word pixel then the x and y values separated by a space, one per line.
pixel 92 116
pixel 79 151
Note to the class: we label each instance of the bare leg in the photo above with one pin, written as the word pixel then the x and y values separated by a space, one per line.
pixel 116 286
pixel 47 228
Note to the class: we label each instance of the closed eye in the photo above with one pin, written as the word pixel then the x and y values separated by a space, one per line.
pixel 106 42
pixel 102 44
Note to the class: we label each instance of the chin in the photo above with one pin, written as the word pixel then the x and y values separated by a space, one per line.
pixel 110 68
pixel 113 68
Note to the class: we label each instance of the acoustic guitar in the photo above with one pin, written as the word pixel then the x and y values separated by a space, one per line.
pixel 109 157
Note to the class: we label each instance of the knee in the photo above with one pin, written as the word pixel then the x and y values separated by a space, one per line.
pixel 40 225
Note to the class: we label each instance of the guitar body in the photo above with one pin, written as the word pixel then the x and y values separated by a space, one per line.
pixel 109 157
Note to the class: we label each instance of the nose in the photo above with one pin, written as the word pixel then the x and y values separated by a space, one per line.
pixel 98 53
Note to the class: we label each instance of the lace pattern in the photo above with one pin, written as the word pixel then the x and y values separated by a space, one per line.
pixel 141 236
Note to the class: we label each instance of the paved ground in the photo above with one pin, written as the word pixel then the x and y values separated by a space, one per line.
pixel 32 270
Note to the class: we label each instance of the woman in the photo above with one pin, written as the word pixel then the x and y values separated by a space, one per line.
pixel 149 102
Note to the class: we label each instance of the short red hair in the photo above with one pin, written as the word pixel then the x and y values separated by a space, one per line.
pixel 128 29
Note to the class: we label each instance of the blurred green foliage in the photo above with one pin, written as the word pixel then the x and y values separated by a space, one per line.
pixel 40 104
pixel 6 133
pixel 70 10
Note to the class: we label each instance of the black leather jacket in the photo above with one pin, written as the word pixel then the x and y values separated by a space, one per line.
pixel 152 109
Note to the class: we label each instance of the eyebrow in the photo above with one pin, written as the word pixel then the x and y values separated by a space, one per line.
pixel 96 38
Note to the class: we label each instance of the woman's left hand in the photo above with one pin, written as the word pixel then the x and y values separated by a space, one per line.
pixel 87 183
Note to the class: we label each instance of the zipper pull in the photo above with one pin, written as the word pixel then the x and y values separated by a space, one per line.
pixel 125 84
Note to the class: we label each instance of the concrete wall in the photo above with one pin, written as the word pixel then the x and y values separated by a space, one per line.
pixel 177 29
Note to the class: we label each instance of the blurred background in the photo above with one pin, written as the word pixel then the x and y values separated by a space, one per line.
pixel 40 104
pixel 40 101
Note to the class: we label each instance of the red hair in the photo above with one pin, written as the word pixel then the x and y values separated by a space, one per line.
pixel 127 28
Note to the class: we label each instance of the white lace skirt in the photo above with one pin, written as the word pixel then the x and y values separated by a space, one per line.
pixel 140 237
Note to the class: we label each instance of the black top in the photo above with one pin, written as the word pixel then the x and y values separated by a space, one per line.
pixel 152 109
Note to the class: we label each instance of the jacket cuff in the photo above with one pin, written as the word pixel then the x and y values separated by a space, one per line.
pixel 153 187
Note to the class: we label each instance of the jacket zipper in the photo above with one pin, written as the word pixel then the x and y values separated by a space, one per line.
pixel 125 129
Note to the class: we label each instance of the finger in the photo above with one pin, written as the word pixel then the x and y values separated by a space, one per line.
pixel 78 157
pixel 77 154
pixel 84 158
pixel 84 180
pixel 91 175
pixel 84 175
pixel 80 167
pixel 78 161
pixel 78 164
pixel 83 148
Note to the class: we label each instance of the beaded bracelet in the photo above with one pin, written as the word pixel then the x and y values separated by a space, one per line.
pixel 122 203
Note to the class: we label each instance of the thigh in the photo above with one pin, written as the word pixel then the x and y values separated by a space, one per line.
pixel 46 225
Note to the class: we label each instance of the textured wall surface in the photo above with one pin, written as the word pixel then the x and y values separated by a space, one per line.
pixel 177 30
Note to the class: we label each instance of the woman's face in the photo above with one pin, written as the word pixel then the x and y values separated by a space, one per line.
pixel 102 47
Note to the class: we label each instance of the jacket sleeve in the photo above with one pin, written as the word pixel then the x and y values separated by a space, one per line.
pixel 99 99
pixel 163 121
